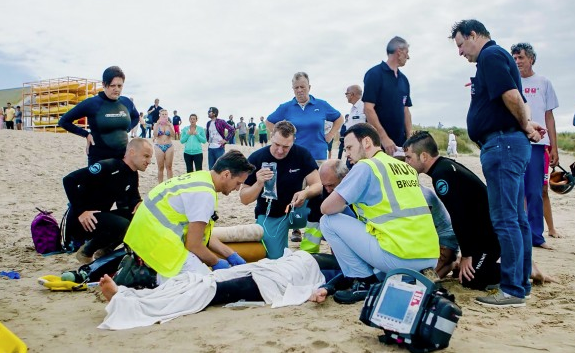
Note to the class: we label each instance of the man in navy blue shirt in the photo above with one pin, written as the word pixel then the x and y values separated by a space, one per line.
pixel 387 97
pixel 498 121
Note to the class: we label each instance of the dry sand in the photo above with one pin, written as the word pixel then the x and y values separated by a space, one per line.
pixel 32 167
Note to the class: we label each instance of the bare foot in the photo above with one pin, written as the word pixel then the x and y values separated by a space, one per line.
pixel 539 278
pixel 108 286
pixel 319 296
pixel 555 234
pixel 545 246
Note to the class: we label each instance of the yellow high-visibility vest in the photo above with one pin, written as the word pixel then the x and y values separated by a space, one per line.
pixel 311 239
pixel 158 233
pixel 401 221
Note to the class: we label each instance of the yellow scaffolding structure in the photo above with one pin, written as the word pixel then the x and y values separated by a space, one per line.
pixel 45 101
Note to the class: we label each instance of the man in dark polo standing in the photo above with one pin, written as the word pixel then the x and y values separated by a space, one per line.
pixel 498 121
pixel 387 97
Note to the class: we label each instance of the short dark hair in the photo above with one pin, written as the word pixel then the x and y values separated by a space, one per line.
pixel 235 162
pixel 363 130
pixel 193 114
pixel 214 110
pixel 528 48
pixel 285 128
pixel 396 43
pixel 466 26
pixel 111 73
pixel 422 141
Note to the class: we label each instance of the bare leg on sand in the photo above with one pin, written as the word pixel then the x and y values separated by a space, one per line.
pixel 539 277
pixel 548 214
pixel 108 286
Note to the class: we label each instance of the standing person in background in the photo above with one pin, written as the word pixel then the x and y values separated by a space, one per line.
pixel 176 121
pixel 451 144
pixel 163 132
pixel 541 98
pixel 149 125
pixel 387 97
pixel 18 118
pixel 142 125
pixel 263 132
pixel 154 111
pixel 110 117
pixel 251 133
pixel 1 118
pixel 327 129
pixel 356 113
pixel 547 211
pixel 342 131
pixel 233 124
pixel 308 114
pixel 242 132
pixel 193 137
pixel 9 113
pixel 216 136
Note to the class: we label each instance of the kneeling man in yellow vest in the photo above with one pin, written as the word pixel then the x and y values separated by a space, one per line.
pixel 171 230
pixel 394 227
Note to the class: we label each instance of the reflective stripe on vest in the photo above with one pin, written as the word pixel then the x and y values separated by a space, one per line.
pixel 311 239
pixel 401 221
pixel 396 211
pixel 158 232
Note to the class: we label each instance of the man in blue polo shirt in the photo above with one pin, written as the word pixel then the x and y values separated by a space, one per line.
pixel 498 121
pixel 308 114
pixel 387 97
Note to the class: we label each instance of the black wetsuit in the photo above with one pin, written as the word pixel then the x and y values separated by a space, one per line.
pixel 109 122
pixel 97 188
pixel 465 198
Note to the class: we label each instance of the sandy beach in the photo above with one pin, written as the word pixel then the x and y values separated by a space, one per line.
pixel 32 167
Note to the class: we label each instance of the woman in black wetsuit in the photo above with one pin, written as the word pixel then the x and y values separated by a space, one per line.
pixel 110 117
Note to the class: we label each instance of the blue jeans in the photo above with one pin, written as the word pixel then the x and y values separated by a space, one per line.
pixel 534 193
pixel 251 140
pixel 504 158
pixel 357 252
pixel 214 154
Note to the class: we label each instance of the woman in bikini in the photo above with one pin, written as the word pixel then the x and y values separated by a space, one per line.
pixel 163 132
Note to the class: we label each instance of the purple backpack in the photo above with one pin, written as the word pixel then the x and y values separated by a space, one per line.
pixel 46 233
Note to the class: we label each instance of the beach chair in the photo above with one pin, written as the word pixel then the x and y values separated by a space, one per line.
pixel 9 342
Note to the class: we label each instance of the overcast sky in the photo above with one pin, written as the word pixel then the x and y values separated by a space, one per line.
pixel 240 55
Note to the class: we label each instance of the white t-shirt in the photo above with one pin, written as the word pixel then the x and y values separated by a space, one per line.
pixel 452 138
pixel 215 137
pixel 197 206
pixel 541 97
pixel 356 115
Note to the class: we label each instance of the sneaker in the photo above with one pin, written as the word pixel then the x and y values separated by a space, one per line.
pixel 82 257
pixel 296 236
pixel 431 274
pixel 495 287
pixel 498 300
pixel 357 293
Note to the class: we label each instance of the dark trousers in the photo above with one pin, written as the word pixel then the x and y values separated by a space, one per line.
pixel 10 125
pixel 143 131
pixel 487 271
pixel 243 139
pixel 340 151
pixel 193 160
pixel 109 232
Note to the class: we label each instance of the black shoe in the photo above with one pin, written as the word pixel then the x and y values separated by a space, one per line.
pixel 357 293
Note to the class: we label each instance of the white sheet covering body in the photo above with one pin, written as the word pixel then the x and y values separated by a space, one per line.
pixel 289 280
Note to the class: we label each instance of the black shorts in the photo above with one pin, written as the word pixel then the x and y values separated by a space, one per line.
pixel 263 138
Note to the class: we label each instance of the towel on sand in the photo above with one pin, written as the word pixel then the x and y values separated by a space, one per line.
pixel 289 280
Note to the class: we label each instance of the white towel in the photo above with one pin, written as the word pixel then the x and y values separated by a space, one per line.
pixel 289 280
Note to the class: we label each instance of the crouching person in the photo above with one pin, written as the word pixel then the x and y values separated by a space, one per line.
pixel 171 231
pixel 92 192
pixel 394 227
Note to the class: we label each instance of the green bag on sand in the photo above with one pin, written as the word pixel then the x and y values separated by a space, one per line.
pixel 134 273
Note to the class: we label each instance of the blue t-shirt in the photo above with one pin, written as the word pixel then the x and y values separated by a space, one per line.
pixel 309 122
pixel 291 172
pixel 391 95
pixel 368 191
pixel 496 74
